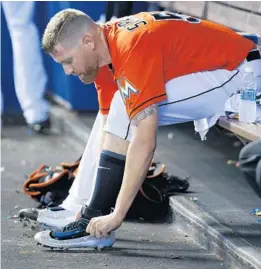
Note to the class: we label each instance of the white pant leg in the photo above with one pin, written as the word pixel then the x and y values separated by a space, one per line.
pixel 84 182
pixel 197 96
pixel 29 74
pixel 202 95
pixel 118 122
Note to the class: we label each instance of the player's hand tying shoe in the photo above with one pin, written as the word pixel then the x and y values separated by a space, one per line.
pixel 102 226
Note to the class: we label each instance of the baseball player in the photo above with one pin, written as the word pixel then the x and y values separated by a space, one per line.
pixel 81 189
pixel 170 68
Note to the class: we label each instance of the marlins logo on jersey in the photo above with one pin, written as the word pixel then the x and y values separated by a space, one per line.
pixel 126 89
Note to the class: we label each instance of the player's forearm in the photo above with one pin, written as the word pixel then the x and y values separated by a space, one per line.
pixel 138 160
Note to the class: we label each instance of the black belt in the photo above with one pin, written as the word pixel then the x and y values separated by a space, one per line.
pixel 253 55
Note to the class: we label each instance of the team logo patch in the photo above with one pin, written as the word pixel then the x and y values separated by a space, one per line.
pixel 126 89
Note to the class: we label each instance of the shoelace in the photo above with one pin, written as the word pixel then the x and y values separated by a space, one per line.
pixel 78 224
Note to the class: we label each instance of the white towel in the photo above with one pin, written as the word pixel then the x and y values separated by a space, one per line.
pixel 231 108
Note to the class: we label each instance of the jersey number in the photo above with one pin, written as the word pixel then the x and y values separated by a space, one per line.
pixel 131 23
pixel 164 15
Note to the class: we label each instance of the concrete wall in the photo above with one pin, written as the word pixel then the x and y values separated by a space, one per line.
pixel 239 15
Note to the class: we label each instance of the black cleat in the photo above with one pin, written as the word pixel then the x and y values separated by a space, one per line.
pixel 42 127
pixel 28 213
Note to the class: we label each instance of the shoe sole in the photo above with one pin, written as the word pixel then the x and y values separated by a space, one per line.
pixel 98 248
pixel 54 214
pixel 45 240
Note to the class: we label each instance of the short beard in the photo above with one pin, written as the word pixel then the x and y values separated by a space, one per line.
pixel 90 76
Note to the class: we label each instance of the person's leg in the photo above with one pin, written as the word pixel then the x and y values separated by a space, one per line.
pixel 107 184
pixel 29 74
pixel 197 96
pixel 83 184
pixel 99 176
pixel 203 95
pixel 112 159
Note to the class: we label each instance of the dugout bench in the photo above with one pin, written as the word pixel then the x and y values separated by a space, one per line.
pixel 244 131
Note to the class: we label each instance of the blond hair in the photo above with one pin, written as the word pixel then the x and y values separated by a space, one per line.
pixel 66 27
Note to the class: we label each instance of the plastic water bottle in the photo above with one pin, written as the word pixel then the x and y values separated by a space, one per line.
pixel 247 108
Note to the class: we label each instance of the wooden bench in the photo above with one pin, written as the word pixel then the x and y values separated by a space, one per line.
pixel 244 131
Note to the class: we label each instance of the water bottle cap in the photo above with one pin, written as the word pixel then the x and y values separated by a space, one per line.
pixel 248 69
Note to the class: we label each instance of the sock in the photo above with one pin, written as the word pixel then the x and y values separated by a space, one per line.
pixel 108 181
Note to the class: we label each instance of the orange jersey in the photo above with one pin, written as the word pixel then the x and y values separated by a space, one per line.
pixel 106 87
pixel 150 48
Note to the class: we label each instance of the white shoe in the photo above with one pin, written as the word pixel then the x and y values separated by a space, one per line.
pixel 55 213
pixel 66 240
pixel 49 223
pixel 55 218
